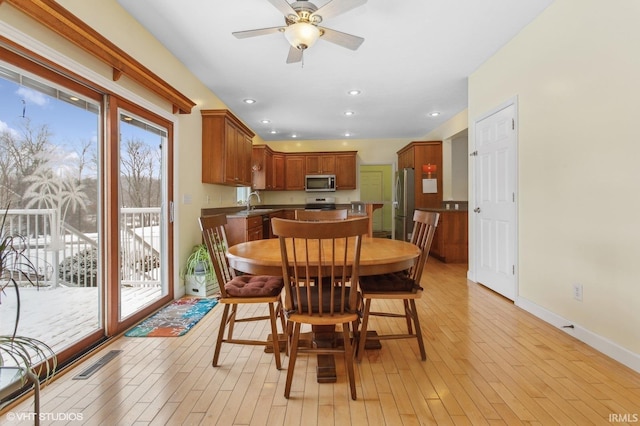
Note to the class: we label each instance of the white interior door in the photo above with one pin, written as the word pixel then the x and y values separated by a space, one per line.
pixel 495 201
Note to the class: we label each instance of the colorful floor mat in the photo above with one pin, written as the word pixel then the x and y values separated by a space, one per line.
pixel 175 319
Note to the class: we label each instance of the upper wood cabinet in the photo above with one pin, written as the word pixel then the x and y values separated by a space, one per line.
pixel 286 171
pixel 406 158
pixel 279 172
pixel 320 164
pixel 294 172
pixel 414 156
pixel 262 167
pixel 346 171
pixel 226 149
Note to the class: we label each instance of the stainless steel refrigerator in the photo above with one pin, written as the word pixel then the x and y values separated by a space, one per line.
pixel 404 204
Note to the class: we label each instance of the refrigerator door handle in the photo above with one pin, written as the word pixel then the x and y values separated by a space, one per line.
pixel 396 204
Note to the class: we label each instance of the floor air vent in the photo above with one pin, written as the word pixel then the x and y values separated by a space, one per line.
pixel 97 365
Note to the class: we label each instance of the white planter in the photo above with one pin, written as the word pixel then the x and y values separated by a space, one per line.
pixel 197 285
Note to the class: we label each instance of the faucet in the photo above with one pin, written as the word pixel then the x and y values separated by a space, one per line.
pixel 249 199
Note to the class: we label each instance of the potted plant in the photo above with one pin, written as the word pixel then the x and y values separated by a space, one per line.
pixel 198 274
pixel 23 360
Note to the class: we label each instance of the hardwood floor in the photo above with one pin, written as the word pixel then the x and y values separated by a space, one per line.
pixel 488 362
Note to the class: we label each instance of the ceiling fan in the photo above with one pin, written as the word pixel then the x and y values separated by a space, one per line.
pixel 302 30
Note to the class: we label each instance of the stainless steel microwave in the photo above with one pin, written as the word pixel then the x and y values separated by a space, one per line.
pixel 317 183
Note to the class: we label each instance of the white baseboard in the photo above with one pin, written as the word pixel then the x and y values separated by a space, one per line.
pixel 600 343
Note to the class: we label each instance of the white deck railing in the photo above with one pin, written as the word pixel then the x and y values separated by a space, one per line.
pixel 62 255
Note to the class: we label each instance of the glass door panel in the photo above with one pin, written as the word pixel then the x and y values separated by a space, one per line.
pixel 49 180
pixel 142 221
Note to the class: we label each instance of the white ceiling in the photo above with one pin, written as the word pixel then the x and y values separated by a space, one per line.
pixel 415 59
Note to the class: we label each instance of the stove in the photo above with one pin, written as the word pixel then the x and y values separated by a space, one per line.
pixel 320 203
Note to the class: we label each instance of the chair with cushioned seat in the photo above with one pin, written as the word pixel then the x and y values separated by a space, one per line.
pixel 320 278
pixel 240 289
pixel 403 286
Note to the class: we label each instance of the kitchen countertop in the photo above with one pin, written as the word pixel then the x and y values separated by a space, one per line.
pixel 252 212
pixel 265 209
pixel 440 209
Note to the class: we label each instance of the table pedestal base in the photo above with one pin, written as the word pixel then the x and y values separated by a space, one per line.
pixel 325 337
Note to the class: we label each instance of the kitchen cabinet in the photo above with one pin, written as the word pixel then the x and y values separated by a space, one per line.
pixel 280 171
pixel 226 149
pixel 262 167
pixel 346 171
pixel 320 164
pixel 450 242
pixel 280 214
pixel 414 155
pixel 278 174
pixel 406 158
pixel 268 168
pixel 241 229
pixel 294 172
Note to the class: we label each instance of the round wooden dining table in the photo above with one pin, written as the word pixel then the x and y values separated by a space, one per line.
pixel 377 256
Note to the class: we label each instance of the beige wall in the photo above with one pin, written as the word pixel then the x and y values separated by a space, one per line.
pixel 575 72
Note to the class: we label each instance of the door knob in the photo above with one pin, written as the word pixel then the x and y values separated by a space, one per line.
pixel 477 210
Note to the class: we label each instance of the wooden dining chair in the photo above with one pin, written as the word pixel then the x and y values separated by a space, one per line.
pixel 404 285
pixel 311 252
pixel 237 290
pixel 318 215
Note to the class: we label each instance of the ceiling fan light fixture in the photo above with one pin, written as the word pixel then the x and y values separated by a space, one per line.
pixel 302 35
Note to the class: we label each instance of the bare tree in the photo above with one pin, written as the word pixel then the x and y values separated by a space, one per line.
pixel 21 153
pixel 139 166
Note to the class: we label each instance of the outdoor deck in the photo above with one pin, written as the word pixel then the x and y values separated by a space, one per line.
pixel 62 315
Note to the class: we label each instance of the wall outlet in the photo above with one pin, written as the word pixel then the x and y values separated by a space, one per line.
pixel 577 292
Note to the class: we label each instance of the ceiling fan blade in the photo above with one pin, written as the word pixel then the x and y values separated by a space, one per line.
pixel 341 39
pixel 258 32
pixel 336 7
pixel 295 55
pixel 284 7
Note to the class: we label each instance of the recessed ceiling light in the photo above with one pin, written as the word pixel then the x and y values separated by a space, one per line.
pixel 265 121
pixel 273 132
pixel 347 134
pixel 294 135
pixel 74 98
pixel 353 92
pixel 249 101
pixel 349 113
pixel 434 114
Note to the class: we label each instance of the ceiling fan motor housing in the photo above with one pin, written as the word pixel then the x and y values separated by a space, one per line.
pixel 304 9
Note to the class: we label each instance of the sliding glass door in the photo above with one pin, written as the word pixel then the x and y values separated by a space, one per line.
pixel 86 177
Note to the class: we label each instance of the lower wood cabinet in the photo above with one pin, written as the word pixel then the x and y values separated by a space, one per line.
pixel 241 229
pixel 451 243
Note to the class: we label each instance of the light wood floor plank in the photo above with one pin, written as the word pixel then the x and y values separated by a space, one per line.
pixel 488 362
